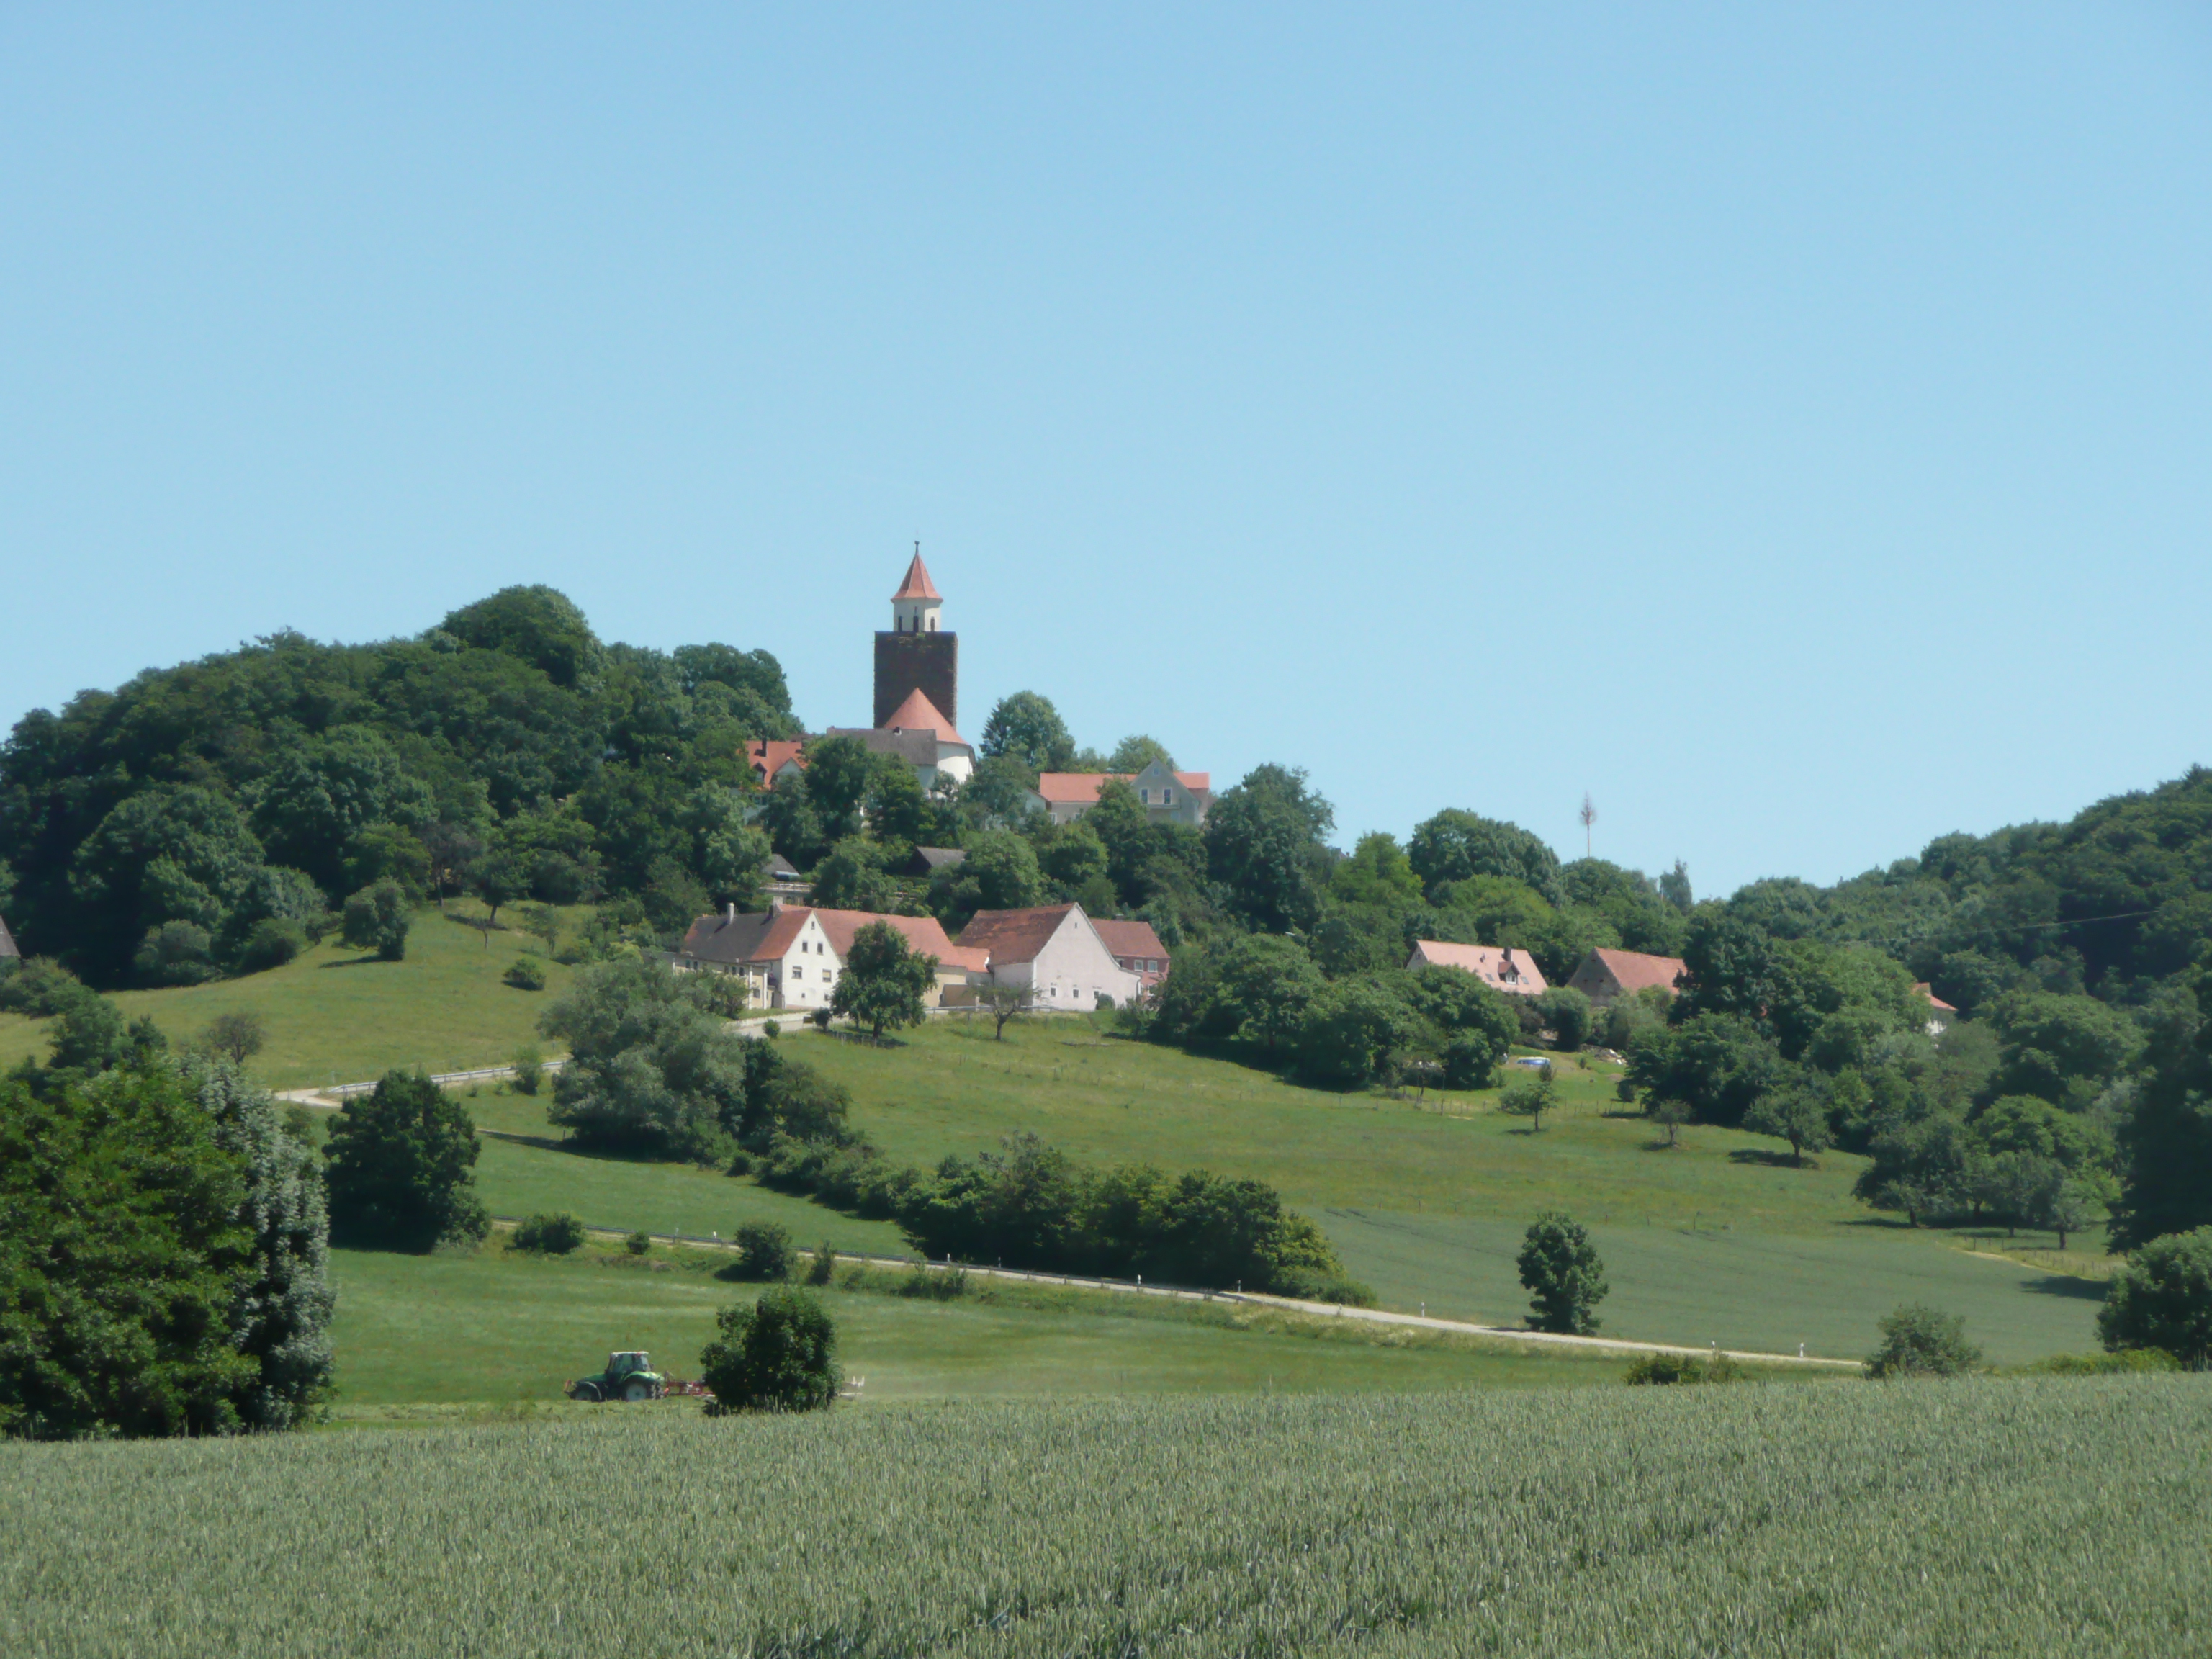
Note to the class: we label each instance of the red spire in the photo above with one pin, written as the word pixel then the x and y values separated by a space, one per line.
pixel 917 585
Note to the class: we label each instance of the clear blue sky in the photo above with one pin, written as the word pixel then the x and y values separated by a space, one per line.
pixel 1791 424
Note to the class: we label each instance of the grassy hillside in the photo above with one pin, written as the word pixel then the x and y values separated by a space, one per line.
pixel 495 1325
pixel 2000 1517
pixel 334 1015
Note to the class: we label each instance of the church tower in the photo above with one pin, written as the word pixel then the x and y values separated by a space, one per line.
pixel 915 656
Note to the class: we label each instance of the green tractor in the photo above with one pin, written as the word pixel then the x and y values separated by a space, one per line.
pixel 628 1377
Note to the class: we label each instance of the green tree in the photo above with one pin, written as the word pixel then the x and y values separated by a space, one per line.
pixel 176 953
pixel 2166 1142
pixel 2163 1299
pixel 650 1070
pixel 377 919
pixel 236 1036
pixel 557 1234
pixel 402 1165
pixel 1530 1095
pixel 727 853
pixel 1134 753
pixel 765 1251
pixel 840 772
pixel 776 1354
pixel 1266 985
pixel 1000 873
pixel 1264 844
pixel 886 983
pixel 1005 1002
pixel 1455 845
pixel 1918 1341
pixel 537 625
pixel 1352 1033
pixel 1797 1112
pixel 997 793
pixel 1564 1277
pixel 2061 1048
pixel 1566 1013
pixel 1377 872
pixel 1027 728
pixel 319 794
pixel 853 878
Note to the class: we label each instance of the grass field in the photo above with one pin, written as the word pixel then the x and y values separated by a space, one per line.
pixel 337 1016
pixel 1717 1239
pixel 497 1325
pixel 1992 1518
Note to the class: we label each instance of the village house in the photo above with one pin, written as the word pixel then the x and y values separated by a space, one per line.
pixel 921 737
pixel 1500 967
pixel 775 760
pixel 1606 976
pixel 1167 797
pixel 1939 1012
pixel 8 950
pixel 1137 948
pixel 791 956
pixel 1055 951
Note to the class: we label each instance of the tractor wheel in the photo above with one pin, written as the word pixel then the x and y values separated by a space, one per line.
pixel 635 1390
pixel 588 1391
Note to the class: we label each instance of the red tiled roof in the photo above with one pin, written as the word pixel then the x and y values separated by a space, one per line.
pixel 1636 971
pixel 1933 1002
pixel 925 936
pixel 1066 788
pixel 1501 967
pixel 1014 935
pixel 1130 938
pixel 917 585
pixel 768 755
pixel 918 713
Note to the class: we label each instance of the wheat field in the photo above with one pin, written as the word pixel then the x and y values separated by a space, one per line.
pixel 1994 1516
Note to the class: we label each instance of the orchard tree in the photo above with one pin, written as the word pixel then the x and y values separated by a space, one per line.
pixel 1564 1279
pixel 1797 1112
pixel 886 983
pixel 1530 1095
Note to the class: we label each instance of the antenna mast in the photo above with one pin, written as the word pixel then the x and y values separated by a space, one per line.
pixel 1588 815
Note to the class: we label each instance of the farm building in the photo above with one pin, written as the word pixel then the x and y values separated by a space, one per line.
pixel 1606 976
pixel 790 956
pixel 1055 950
pixel 1500 967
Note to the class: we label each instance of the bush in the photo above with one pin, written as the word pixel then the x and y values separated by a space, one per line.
pixel 1669 1368
pixel 639 1243
pixel 2163 1299
pixel 1918 1340
pixel 402 1168
pixel 763 1252
pixel 529 1070
pixel 1564 1278
pixel 176 953
pixel 824 1265
pixel 527 974
pixel 271 942
pixel 377 919
pixel 559 1234
pixel 1336 1288
pixel 778 1354
pixel 39 988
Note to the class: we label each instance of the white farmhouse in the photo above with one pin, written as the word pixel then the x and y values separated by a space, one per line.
pixel 791 956
pixel 1054 951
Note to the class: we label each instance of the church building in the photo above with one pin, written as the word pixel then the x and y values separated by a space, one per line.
pixel 917 686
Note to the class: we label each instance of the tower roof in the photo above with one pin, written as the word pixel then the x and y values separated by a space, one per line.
pixel 917 585
pixel 918 713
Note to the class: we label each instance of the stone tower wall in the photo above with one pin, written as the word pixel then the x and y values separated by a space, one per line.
pixel 928 662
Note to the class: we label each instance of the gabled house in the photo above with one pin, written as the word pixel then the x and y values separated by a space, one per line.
pixel 1500 967
pixel 783 879
pixel 791 956
pixel 1167 797
pixel 1054 951
pixel 774 760
pixel 1606 976
pixel 1939 1012
pixel 8 950
pixel 1137 948
pixel 926 862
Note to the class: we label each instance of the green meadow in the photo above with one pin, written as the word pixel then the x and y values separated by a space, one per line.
pixel 497 1325
pixel 336 1015
pixel 1718 1239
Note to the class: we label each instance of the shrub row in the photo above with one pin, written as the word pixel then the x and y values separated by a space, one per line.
pixel 1032 1207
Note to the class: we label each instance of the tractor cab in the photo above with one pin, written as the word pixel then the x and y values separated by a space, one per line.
pixel 629 1376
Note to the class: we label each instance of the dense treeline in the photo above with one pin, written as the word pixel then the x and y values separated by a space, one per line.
pixel 208 818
